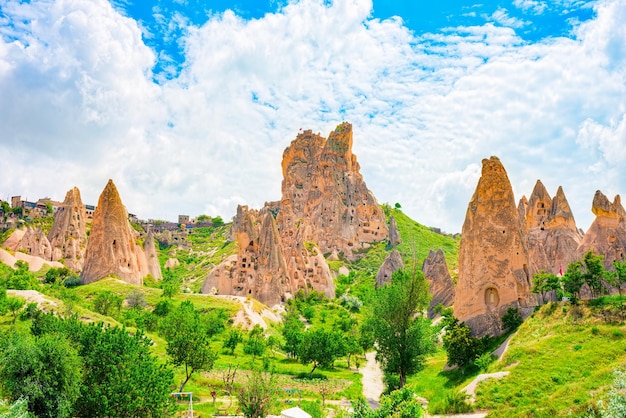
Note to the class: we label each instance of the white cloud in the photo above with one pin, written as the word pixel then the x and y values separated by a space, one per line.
pixel 501 16
pixel 79 106
pixel 533 6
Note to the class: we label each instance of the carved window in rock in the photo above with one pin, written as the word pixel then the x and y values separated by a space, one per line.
pixel 491 297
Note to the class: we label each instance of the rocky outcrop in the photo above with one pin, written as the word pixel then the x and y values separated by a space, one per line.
pixel 493 259
pixel 324 198
pixel 552 236
pixel 607 233
pixel 325 208
pixel 260 269
pixel 441 286
pixel 112 248
pixel 393 262
pixel 538 207
pixel 32 242
pixel 68 236
pixel 394 234
pixel 152 259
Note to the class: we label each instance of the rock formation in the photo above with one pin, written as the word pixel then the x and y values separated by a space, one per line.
pixel 607 233
pixel 324 197
pixel 35 243
pixel 493 259
pixel 552 236
pixel 325 208
pixel 111 248
pixel 259 269
pixel 68 235
pixel 440 282
pixel 152 259
pixel 393 262
pixel 394 234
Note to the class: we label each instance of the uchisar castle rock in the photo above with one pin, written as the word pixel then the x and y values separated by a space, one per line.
pixel 325 209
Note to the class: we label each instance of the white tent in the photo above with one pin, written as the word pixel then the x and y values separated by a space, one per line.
pixel 294 413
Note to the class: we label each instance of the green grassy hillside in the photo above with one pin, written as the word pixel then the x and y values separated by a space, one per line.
pixel 117 303
pixel 561 362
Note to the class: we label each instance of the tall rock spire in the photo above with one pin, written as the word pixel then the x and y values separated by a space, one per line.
pixel 68 235
pixel 111 248
pixel 493 260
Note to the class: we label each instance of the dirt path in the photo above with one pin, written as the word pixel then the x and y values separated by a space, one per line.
pixel 471 388
pixel 42 301
pixel 372 380
pixel 499 352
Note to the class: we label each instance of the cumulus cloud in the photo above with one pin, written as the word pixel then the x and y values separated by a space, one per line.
pixel 80 105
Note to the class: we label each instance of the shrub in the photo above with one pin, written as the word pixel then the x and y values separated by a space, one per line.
pixel 454 403
pixel 511 319
pixel 72 281
pixel 136 299
pixel 484 361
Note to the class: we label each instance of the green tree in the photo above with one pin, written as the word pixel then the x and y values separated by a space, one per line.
pixel 46 372
pixel 203 218
pixel 235 336
pixel 122 377
pixel 400 403
pixel 21 278
pixel 619 275
pixel 256 342
pixel 257 394
pixel 403 336
pixel 511 319
pixel 321 348
pixel 188 340
pixel 573 280
pixel 462 348
pixel 292 331
pixel 595 274
pixel 14 304
pixel 57 275
pixel 544 282
pixel 170 283
pixel 5 207
pixel 106 302
pixel 217 221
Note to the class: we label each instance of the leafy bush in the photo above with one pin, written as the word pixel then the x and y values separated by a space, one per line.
pixel 351 302
pixel 484 361
pixel 162 308
pixel 511 319
pixel 454 403
pixel 72 281
pixel 106 302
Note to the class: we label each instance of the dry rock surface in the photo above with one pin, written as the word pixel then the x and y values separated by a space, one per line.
pixel 111 249
pixel 68 236
pixel 493 259
pixel 325 208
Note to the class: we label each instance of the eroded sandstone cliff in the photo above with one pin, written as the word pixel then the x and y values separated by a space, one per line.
pixel 493 259
pixel 325 208
pixel 68 236
pixel 607 233
pixel 111 248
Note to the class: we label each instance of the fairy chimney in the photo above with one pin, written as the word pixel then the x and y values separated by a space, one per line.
pixel 493 259
pixel 111 248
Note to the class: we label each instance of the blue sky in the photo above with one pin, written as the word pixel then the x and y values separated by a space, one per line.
pixel 188 105
pixel 533 20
